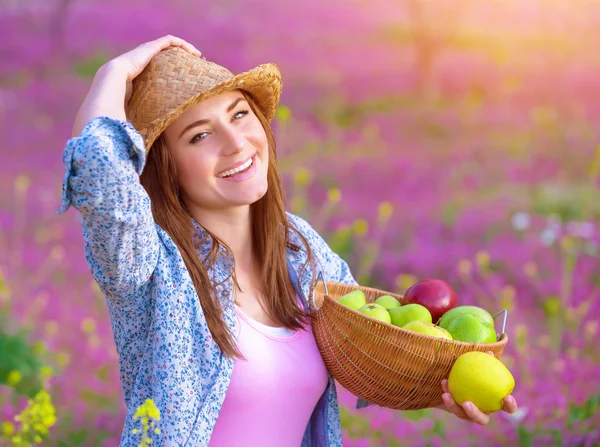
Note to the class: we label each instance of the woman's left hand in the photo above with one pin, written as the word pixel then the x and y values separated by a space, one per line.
pixel 468 411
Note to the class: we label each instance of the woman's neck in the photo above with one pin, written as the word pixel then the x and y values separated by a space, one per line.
pixel 233 227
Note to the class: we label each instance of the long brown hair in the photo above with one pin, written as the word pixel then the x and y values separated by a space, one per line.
pixel 270 234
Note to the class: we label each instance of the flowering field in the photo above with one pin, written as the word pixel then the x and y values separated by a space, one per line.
pixel 457 140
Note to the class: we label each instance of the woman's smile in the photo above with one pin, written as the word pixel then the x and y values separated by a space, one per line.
pixel 239 169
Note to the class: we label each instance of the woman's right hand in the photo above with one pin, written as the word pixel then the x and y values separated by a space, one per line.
pixel 111 88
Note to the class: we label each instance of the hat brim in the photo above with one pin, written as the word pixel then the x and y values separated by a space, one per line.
pixel 263 83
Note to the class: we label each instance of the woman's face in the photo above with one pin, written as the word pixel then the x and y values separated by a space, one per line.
pixel 221 153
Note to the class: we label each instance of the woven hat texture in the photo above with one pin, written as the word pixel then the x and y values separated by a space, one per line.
pixel 174 80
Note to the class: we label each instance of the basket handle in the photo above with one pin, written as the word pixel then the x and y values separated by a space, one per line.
pixel 505 312
pixel 312 292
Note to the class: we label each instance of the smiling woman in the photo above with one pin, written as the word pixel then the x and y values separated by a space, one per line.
pixel 221 161
pixel 187 235
pixel 206 276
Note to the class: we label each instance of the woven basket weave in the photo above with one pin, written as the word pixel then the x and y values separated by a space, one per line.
pixel 381 363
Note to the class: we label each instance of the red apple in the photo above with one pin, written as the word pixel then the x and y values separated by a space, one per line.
pixel 436 295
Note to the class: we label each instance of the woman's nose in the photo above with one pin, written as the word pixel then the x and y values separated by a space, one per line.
pixel 233 142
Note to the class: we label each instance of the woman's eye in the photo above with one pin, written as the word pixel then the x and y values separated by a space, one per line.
pixel 203 135
pixel 240 114
pixel 199 137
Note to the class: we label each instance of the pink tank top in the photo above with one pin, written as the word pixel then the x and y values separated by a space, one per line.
pixel 274 391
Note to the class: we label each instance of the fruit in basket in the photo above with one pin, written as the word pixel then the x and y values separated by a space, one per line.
pixel 428 329
pixel 460 310
pixel 354 300
pixel 470 328
pixel 387 301
pixel 435 294
pixel 376 311
pixel 482 379
pixel 409 312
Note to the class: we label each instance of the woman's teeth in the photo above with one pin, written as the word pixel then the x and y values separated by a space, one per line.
pixel 236 170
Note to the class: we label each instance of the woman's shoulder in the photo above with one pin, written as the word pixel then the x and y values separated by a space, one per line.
pixel 335 268
pixel 315 240
pixel 300 225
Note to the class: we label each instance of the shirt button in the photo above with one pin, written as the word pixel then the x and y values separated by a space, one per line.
pixel 226 293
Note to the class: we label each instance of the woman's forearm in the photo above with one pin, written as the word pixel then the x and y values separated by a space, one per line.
pixel 106 97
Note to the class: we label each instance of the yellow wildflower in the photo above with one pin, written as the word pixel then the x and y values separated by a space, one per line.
pixel 302 177
pixel 283 114
pixel 88 325
pixel 385 210
pixel 334 195
pixel 464 267
pixel 483 259
pixel 8 429
pixel 14 377
pixel 405 280
pixel 22 183
pixel 360 226
pixel 147 413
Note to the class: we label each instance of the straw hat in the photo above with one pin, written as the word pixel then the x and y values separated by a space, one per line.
pixel 175 80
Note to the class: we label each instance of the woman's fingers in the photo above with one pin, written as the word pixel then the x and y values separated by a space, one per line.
pixel 167 41
pixel 509 404
pixel 133 62
pixel 467 411
pixel 453 407
pixel 145 52
pixel 475 414
pixel 445 385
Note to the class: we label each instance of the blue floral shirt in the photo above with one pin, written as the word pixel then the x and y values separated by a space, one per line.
pixel 166 352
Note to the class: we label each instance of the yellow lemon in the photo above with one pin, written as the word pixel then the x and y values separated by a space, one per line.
pixel 482 379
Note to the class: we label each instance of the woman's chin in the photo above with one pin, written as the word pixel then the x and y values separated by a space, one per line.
pixel 248 197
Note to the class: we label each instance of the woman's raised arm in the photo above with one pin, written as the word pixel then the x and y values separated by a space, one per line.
pixel 103 161
pixel 111 87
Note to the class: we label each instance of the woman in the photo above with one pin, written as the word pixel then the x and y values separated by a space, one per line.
pixel 205 274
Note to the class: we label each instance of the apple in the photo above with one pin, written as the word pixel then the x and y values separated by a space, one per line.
pixel 354 300
pixel 376 311
pixel 435 294
pixel 409 312
pixel 472 329
pixel 460 310
pixel 482 379
pixel 428 329
pixel 387 301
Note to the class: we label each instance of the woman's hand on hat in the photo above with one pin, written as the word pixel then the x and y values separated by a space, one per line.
pixel 112 82
pixel 137 59
pixel 132 63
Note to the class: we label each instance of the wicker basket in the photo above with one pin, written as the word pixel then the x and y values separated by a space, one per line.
pixel 381 363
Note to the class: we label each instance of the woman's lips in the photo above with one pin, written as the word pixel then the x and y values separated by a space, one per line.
pixel 243 175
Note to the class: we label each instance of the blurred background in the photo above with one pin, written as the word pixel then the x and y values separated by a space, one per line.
pixel 451 139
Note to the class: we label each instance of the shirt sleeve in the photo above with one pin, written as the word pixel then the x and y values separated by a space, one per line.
pixel 332 265
pixel 102 169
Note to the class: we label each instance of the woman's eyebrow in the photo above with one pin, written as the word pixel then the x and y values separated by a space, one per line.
pixel 204 121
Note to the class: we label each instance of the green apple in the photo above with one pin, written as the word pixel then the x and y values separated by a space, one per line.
pixel 428 329
pixel 410 312
pixel 376 311
pixel 354 300
pixel 387 301
pixel 460 310
pixel 482 379
pixel 472 329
